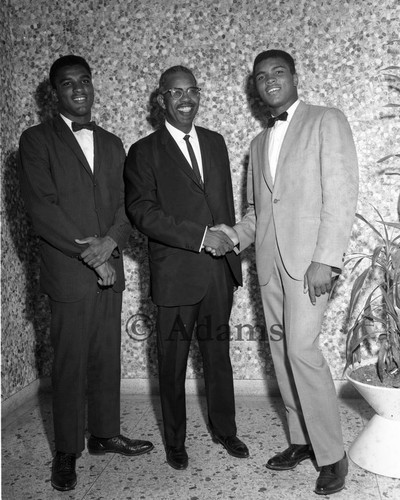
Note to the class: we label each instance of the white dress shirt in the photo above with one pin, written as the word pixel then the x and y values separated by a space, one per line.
pixel 85 141
pixel 178 137
pixel 276 136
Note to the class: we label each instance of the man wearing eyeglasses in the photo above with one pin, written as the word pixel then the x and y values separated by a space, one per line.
pixel 178 185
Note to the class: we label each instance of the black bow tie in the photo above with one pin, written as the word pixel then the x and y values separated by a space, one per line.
pixel 79 126
pixel 272 119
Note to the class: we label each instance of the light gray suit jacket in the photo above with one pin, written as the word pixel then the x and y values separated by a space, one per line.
pixel 310 207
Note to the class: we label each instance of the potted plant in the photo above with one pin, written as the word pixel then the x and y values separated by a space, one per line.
pixel 374 330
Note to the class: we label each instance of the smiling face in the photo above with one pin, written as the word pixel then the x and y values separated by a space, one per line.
pixel 74 92
pixel 181 112
pixel 276 85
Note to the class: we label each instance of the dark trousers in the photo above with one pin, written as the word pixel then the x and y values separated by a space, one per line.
pixel 174 332
pixel 86 338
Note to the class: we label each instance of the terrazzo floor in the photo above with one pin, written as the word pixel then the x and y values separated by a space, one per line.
pixel 212 474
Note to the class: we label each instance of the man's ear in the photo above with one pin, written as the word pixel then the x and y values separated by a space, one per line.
pixel 54 95
pixel 160 100
pixel 295 80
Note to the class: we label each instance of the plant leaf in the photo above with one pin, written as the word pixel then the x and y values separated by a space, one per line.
pixel 357 287
pixel 359 216
pixel 387 157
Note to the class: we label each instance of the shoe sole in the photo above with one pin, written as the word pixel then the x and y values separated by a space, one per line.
pixel 135 454
pixel 216 440
pixel 176 467
pixel 329 492
pixel 271 467
pixel 60 488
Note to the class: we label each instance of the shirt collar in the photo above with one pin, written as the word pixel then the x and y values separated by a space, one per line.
pixel 292 109
pixel 67 121
pixel 177 134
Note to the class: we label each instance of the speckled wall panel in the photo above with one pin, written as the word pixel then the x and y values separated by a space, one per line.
pixel 339 48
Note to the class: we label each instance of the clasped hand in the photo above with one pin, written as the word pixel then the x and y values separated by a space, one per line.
pixel 107 274
pixel 96 255
pixel 99 250
pixel 220 239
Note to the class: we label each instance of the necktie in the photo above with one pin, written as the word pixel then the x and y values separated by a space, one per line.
pixel 195 165
pixel 79 126
pixel 272 119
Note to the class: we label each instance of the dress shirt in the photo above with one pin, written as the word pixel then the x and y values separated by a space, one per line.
pixel 85 141
pixel 276 136
pixel 178 137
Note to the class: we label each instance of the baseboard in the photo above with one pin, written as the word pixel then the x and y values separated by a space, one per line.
pixel 149 387
pixel 261 387
pixel 17 401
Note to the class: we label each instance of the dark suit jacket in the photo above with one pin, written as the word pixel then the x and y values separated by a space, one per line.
pixel 67 201
pixel 165 201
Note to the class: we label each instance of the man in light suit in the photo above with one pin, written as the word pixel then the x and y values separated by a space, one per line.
pixel 302 192
pixel 178 183
pixel 72 184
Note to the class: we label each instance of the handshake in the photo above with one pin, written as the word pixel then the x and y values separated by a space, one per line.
pixel 220 239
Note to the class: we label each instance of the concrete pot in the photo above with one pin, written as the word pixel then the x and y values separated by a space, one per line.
pixel 377 447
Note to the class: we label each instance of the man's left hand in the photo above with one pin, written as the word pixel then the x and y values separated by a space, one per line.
pixel 317 280
pixel 99 250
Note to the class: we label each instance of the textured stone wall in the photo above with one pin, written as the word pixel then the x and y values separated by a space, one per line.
pixel 339 48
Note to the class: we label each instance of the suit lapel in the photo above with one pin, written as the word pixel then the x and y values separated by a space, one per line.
pixel 174 152
pixel 67 136
pixel 98 144
pixel 263 158
pixel 205 155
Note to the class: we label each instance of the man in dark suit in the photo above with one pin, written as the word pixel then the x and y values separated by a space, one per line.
pixel 302 191
pixel 72 184
pixel 178 183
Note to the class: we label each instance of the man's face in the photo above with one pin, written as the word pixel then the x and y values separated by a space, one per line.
pixel 276 85
pixel 180 112
pixel 74 92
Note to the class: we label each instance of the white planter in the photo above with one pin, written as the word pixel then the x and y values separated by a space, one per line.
pixel 377 447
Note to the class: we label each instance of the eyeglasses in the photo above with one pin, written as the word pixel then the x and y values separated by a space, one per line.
pixel 177 93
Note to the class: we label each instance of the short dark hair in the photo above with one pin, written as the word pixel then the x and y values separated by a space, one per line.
pixel 268 54
pixel 169 71
pixel 63 61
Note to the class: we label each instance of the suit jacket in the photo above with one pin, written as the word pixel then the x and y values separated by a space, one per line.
pixel 67 201
pixel 309 209
pixel 166 202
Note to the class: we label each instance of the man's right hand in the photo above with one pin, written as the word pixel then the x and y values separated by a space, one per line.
pixel 228 230
pixel 217 242
pixel 107 274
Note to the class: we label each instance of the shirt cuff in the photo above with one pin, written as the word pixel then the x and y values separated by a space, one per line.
pixel 202 241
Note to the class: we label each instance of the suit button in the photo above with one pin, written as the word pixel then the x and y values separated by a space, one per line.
pixel 276 200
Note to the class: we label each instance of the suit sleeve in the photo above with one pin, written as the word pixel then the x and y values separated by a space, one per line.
pixel 144 209
pixel 121 227
pixel 246 228
pixel 339 180
pixel 39 192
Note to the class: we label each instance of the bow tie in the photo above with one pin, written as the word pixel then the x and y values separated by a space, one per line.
pixel 79 126
pixel 272 119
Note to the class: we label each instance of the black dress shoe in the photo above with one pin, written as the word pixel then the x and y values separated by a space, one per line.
pixel 177 457
pixel 63 475
pixel 332 477
pixel 118 444
pixel 233 446
pixel 291 457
